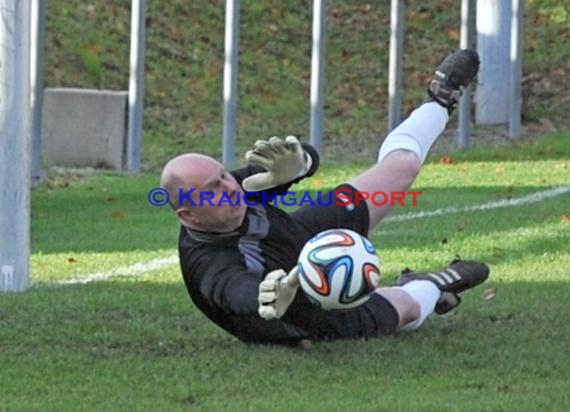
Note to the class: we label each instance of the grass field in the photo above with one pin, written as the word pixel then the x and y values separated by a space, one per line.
pixel 135 342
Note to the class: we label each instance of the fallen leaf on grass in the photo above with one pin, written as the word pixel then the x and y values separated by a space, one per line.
pixel 446 160
pixel 71 260
pixel 420 15
pixel 535 127
pixel 453 34
pixel 94 48
pixel 117 215
pixel 489 294
pixel 317 182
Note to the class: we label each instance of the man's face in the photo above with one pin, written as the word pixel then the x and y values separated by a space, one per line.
pixel 219 207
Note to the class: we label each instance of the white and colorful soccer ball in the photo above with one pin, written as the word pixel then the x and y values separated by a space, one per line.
pixel 339 269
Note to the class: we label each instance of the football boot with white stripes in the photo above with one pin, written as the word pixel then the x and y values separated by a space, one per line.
pixel 459 276
pixel 453 74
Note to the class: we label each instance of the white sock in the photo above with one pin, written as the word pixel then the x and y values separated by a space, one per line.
pixel 426 294
pixel 418 132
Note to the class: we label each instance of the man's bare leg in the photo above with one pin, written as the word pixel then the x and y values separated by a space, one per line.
pixel 407 308
pixel 413 302
pixel 400 158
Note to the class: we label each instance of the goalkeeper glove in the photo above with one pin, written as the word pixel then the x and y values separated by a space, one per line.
pixel 276 292
pixel 284 160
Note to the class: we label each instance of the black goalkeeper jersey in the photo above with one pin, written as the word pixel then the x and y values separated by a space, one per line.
pixel 222 272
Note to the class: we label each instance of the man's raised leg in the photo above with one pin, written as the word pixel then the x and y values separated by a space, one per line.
pixel 405 149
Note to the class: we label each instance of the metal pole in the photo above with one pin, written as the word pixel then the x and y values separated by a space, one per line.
pixel 318 72
pixel 15 136
pixel 37 84
pixel 136 84
pixel 230 79
pixel 466 42
pixel 395 65
pixel 493 41
pixel 517 17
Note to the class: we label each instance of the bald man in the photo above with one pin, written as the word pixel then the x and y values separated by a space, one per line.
pixel 238 253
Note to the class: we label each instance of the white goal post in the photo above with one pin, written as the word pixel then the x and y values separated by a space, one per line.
pixel 15 135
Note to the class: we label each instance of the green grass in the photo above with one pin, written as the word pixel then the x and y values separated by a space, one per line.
pixel 138 343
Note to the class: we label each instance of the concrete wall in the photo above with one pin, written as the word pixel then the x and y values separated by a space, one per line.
pixel 84 128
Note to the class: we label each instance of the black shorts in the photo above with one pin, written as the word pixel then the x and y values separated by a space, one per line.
pixel 375 317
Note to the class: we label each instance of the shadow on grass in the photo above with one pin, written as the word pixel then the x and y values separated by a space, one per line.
pixel 112 334
pixel 159 319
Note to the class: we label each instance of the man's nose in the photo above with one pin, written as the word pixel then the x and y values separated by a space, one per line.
pixel 231 186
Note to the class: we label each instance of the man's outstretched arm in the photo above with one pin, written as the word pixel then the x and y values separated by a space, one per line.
pixel 227 285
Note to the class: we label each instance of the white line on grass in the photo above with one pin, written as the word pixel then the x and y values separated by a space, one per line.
pixel 160 263
pixel 523 200
pixel 132 270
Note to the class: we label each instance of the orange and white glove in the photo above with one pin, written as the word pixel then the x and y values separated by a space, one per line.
pixel 284 161
pixel 276 292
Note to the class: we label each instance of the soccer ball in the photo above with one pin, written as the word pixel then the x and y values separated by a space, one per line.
pixel 338 269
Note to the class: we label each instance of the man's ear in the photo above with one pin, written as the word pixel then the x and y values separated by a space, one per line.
pixel 187 217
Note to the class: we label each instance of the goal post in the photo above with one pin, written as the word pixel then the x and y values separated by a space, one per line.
pixel 15 149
